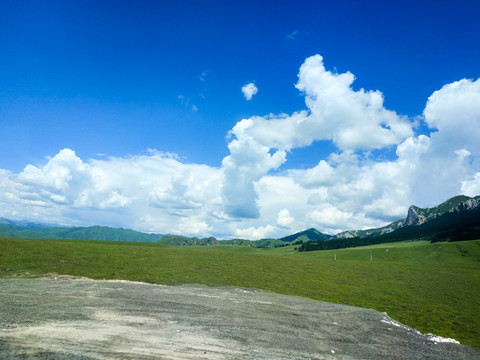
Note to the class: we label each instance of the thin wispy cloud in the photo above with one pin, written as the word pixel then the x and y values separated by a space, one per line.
pixel 186 103
pixel 203 79
pixel 203 76
pixel 292 36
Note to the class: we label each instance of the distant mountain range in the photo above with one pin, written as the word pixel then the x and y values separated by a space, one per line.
pixel 455 219
pixel 30 230
pixel 178 240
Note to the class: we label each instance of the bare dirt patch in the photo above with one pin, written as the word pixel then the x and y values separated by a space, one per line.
pixel 86 319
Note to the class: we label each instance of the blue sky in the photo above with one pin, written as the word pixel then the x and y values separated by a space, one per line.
pixel 89 86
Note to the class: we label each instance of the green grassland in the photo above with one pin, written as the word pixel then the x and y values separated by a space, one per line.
pixel 432 287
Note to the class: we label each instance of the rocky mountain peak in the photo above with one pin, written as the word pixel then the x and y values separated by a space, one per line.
pixel 415 216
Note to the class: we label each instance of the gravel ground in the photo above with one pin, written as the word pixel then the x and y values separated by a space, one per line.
pixel 87 319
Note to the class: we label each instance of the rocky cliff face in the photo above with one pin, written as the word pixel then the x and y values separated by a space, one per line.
pixel 415 216
pixel 346 234
pixel 470 204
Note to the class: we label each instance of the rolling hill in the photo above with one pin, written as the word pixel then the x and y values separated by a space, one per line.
pixel 306 235
pixel 30 230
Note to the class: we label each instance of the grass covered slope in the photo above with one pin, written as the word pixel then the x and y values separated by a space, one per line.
pixel 432 287
pixel 307 235
pixel 37 231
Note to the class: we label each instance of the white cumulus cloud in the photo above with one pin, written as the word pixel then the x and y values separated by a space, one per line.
pixel 247 163
pixel 284 218
pixel 348 189
pixel 253 233
pixel 249 90
pixel 471 187
pixel 353 120
pixel 153 192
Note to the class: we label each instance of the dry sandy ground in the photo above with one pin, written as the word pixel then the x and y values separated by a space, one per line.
pixel 86 319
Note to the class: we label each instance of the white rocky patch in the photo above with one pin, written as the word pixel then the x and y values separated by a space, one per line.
pixel 439 339
pixel 435 338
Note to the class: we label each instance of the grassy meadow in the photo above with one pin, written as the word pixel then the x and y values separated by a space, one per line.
pixel 434 288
